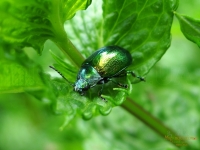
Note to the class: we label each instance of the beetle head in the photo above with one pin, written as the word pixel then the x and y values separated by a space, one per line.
pixel 81 85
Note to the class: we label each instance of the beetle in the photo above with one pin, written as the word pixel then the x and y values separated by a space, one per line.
pixel 99 68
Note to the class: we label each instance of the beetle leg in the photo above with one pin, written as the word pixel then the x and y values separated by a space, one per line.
pixel 119 84
pixel 134 75
pixel 82 93
pixel 100 92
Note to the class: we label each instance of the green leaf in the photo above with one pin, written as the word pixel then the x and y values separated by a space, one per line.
pixel 70 7
pixel 190 28
pixel 31 23
pixel 17 73
pixel 142 27
pixel 86 25
pixel 15 78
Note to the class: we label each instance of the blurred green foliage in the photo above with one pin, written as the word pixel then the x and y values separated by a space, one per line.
pixel 171 93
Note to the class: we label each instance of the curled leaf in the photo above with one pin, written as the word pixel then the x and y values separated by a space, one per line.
pixel 190 28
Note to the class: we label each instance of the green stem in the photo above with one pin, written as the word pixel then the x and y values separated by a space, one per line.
pixel 60 38
pixel 69 50
pixel 137 111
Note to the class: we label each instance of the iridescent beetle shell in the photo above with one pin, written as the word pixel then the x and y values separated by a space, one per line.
pixel 101 66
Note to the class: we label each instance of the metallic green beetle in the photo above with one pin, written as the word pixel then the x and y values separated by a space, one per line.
pixel 103 65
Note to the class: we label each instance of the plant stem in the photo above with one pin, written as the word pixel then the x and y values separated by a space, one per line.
pixel 69 50
pixel 61 39
pixel 137 111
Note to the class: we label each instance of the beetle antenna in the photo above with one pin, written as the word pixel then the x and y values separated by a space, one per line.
pixel 62 75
